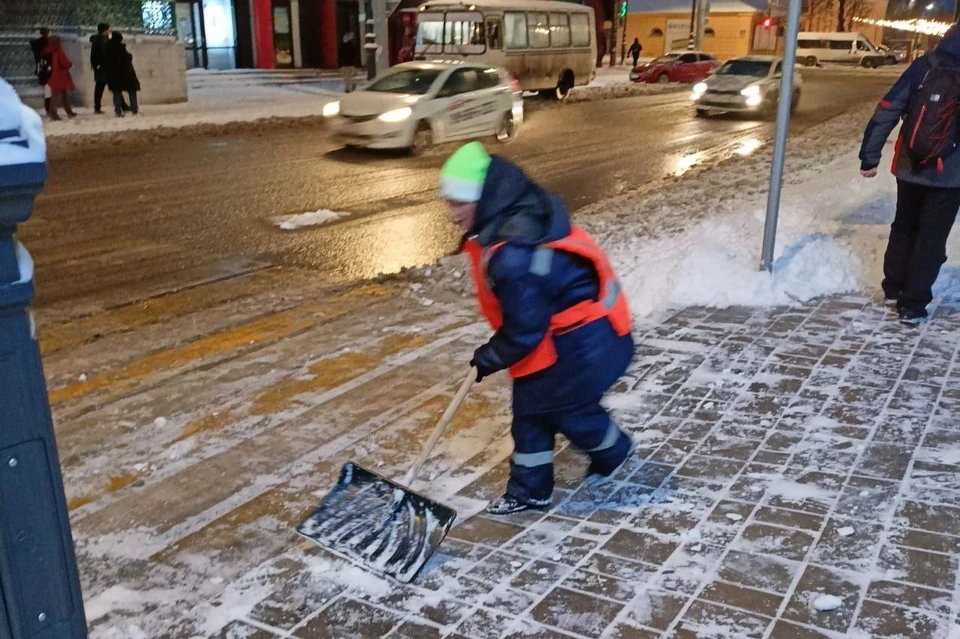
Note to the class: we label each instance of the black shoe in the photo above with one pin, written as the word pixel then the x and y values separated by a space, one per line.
pixel 98 111
pixel 595 474
pixel 508 504
pixel 912 317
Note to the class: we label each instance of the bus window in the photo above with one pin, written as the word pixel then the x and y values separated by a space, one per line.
pixel 464 33
pixel 539 30
pixel 516 30
pixel 559 30
pixel 580 29
pixel 430 32
pixel 494 39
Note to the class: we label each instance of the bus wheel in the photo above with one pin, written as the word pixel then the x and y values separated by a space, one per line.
pixel 564 85
pixel 507 129
pixel 422 138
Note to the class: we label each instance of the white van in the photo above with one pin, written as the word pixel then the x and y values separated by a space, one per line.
pixel 546 45
pixel 845 48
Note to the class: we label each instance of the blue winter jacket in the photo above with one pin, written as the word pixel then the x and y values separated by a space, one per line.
pixel 894 106
pixel 515 210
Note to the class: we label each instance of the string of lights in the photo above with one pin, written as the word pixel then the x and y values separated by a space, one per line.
pixel 926 27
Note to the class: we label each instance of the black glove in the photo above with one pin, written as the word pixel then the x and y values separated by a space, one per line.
pixel 482 371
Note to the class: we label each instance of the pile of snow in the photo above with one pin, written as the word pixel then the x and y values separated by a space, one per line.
pixel 310 218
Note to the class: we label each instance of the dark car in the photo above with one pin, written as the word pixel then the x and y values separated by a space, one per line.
pixel 678 66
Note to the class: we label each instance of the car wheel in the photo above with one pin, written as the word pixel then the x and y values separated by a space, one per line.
pixel 663 78
pixel 869 63
pixel 702 113
pixel 564 85
pixel 810 61
pixel 422 138
pixel 507 129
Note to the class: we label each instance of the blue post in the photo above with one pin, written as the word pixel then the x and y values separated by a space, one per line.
pixel 39 583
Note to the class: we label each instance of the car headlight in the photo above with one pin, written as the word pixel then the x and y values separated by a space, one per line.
pixel 397 115
pixel 331 109
pixel 751 91
pixel 700 88
pixel 754 100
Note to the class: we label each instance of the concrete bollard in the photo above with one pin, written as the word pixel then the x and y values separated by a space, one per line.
pixel 39 584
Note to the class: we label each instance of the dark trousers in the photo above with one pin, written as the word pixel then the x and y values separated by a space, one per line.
pixel 119 104
pixel 918 242
pixel 588 427
pixel 59 99
pixel 98 95
pixel 636 58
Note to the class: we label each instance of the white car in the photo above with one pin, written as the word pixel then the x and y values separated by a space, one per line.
pixel 418 104
pixel 745 85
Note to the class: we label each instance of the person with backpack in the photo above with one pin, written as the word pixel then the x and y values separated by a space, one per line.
pixel 927 171
pixel 561 321
pixel 42 64
pixel 635 50
pixel 121 76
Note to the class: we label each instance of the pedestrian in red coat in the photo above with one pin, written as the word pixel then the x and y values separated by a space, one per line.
pixel 60 83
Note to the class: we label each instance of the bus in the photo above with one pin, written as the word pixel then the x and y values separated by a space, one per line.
pixel 850 48
pixel 548 46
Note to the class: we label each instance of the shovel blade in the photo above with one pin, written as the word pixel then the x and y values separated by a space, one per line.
pixel 378 524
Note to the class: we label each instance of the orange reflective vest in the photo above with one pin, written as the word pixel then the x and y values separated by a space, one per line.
pixel 611 305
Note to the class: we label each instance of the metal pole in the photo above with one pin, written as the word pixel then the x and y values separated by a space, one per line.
pixel 691 42
pixel 702 10
pixel 381 53
pixel 39 584
pixel 780 143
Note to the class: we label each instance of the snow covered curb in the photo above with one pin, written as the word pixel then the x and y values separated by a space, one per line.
pixel 613 90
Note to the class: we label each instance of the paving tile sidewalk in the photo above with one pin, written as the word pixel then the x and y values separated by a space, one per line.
pixel 784 454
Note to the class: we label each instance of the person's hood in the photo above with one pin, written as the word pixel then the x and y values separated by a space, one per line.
pixel 117 37
pixel 513 208
pixel 949 46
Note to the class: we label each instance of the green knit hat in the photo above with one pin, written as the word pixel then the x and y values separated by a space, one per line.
pixel 463 174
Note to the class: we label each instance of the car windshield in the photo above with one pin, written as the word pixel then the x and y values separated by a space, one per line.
pixel 415 81
pixel 754 68
pixel 670 57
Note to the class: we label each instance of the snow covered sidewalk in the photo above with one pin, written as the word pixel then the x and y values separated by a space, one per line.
pixel 216 100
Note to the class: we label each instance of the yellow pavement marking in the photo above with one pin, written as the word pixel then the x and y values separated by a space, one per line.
pixel 152 311
pixel 330 373
pixel 252 334
pixel 114 483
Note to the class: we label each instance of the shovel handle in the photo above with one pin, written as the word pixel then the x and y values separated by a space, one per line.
pixel 441 426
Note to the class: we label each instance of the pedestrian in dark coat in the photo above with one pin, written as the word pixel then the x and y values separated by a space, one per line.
pixel 348 55
pixel 928 197
pixel 121 76
pixel 98 62
pixel 61 82
pixel 563 335
pixel 635 50
pixel 42 64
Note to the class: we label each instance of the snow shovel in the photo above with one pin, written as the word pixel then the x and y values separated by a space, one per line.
pixel 380 524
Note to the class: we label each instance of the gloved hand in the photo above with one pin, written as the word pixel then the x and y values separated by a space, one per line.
pixel 482 371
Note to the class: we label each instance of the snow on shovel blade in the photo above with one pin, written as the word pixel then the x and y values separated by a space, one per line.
pixel 378 524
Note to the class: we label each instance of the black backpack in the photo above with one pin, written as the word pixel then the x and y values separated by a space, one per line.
pixel 932 123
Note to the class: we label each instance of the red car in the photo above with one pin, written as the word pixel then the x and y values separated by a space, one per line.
pixel 677 66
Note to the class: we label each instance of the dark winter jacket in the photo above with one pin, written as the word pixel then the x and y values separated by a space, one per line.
pixel 121 75
pixel 39 48
pixel 515 210
pixel 347 54
pixel 635 48
pixel 892 109
pixel 98 57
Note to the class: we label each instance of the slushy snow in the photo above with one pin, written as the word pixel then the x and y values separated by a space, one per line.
pixel 311 218
pixel 826 603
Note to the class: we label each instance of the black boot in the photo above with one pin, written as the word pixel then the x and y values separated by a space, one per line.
pixel 912 316
pixel 508 504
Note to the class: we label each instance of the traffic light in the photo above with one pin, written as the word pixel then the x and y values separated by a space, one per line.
pixel 768 23
pixel 623 9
